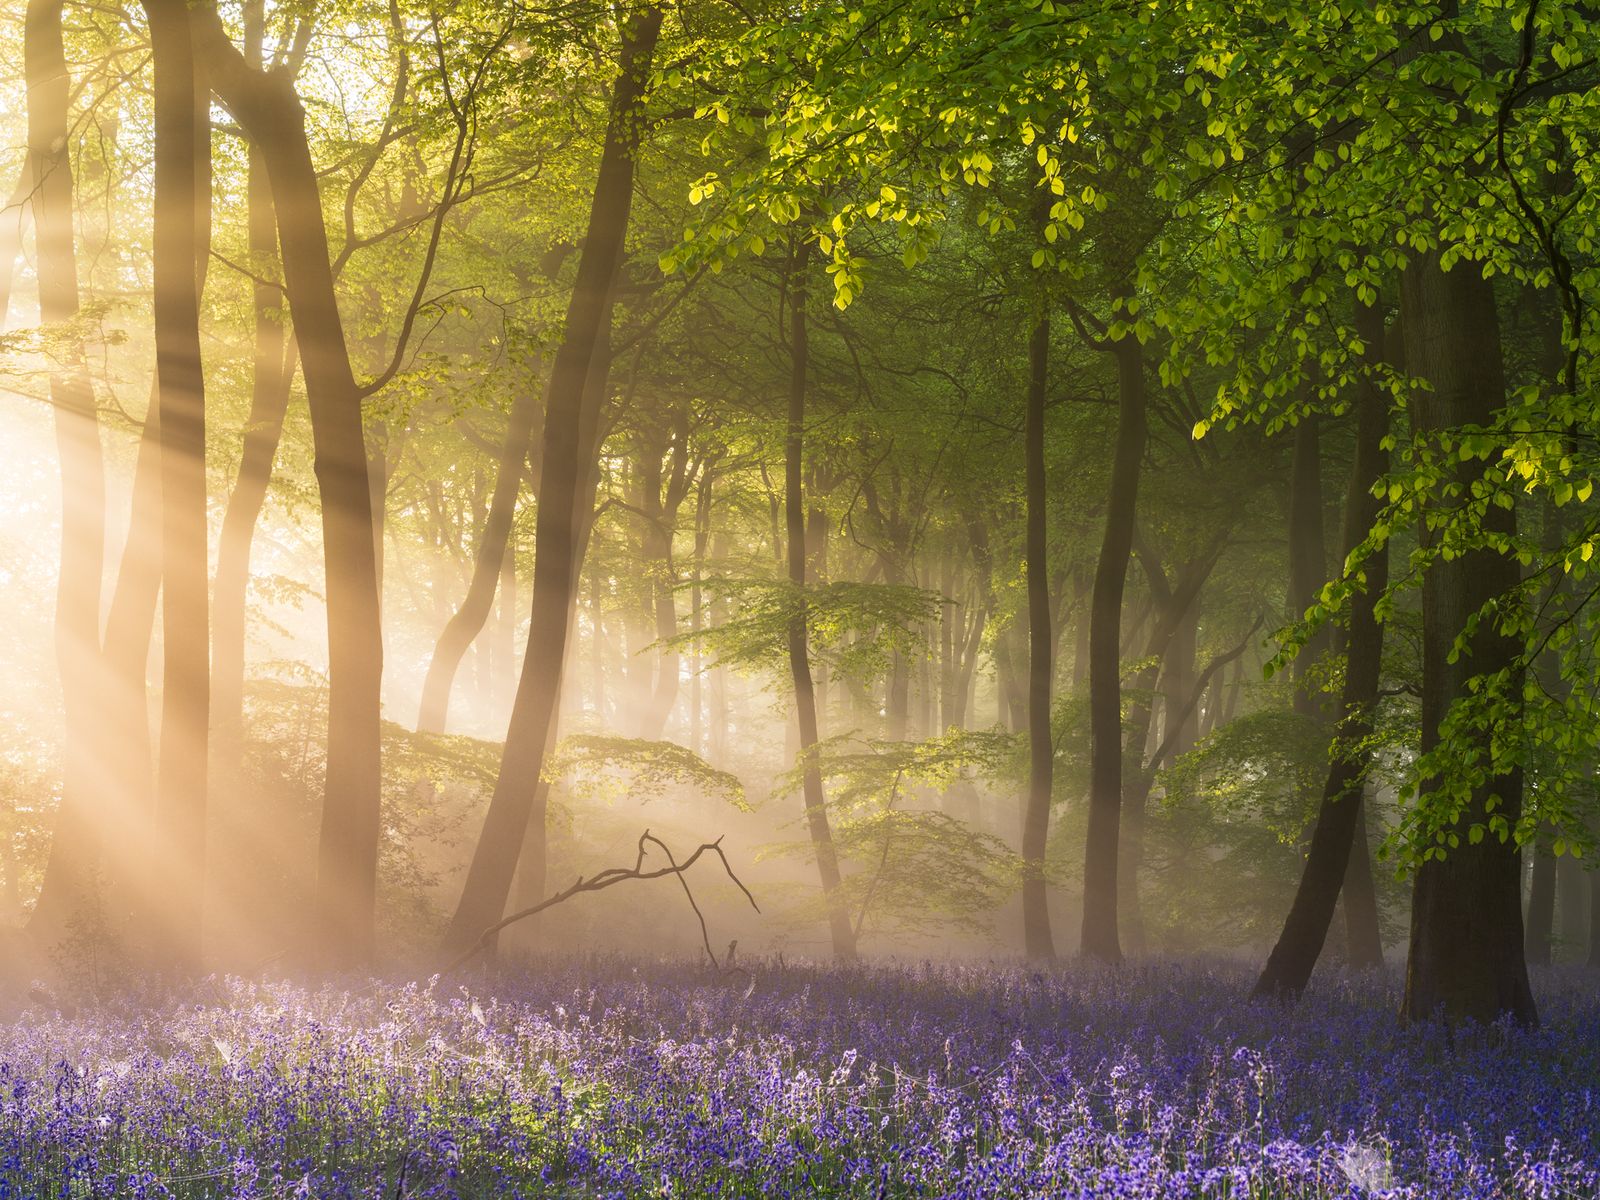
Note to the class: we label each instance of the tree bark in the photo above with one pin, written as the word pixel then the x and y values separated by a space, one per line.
pixel 839 927
pixel 1099 938
pixel 1339 816
pixel 1594 919
pixel 266 105
pixel 68 890
pixel 1466 952
pixel 1308 561
pixel 494 860
pixel 468 620
pixel 186 683
pixel 1036 938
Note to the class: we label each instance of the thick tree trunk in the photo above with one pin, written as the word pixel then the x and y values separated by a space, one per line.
pixel 839 927
pixel 186 669
pixel 469 620
pixel 1099 939
pixel 1036 939
pixel 1466 954
pixel 1339 822
pixel 494 860
pixel 266 105
pixel 68 890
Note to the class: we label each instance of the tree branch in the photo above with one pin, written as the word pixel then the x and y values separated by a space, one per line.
pixel 612 876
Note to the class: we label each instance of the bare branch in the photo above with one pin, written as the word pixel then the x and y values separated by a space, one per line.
pixel 612 876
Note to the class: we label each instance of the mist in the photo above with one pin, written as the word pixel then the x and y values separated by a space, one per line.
pixel 719 599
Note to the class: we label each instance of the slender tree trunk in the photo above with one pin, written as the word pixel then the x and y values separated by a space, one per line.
pixel 269 402
pixel 266 105
pixel 505 652
pixel 469 620
pixel 720 735
pixel 13 222
pixel 843 935
pixel 186 671
pixel 1540 928
pixel 702 539
pixel 1036 937
pixel 1178 676
pixel 1099 939
pixel 1594 920
pixel 494 860
pixel 597 617
pixel 1466 953
pixel 1339 818
pixel 68 888
pixel 1572 908
pixel 1308 561
pixel 1362 931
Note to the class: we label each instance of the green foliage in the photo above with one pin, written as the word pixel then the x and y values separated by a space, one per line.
pixel 596 767
pixel 918 867
pixel 855 629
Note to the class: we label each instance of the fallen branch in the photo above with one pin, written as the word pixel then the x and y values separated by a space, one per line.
pixel 612 876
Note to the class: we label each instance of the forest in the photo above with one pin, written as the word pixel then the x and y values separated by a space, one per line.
pixel 884 598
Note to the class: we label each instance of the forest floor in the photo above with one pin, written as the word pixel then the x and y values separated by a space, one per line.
pixel 612 1077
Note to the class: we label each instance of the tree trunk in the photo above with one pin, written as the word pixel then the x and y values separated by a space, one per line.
pixel 1363 934
pixel 469 620
pixel 843 936
pixel 68 888
pixel 1339 817
pixel 702 540
pixel 1308 561
pixel 13 221
pixel 494 860
pixel 186 670
pixel 1540 926
pixel 1572 906
pixel 1466 954
pixel 269 402
pixel 266 105
pixel 1036 938
pixel 1099 939
pixel 1181 719
pixel 1594 919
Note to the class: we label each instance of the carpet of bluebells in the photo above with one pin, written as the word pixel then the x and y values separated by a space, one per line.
pixel 609 1078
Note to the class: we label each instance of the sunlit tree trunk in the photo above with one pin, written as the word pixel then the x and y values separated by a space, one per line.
pixel 494 860
pixel 269 401
pixel 186 670
pixel 68 888
pixel 469 620
pixel 266 105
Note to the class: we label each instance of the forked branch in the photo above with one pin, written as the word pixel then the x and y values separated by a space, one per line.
pixel 612 876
